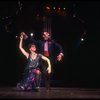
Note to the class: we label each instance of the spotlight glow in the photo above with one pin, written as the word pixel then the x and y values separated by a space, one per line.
pixel 64 8
pixel 31 34
pixel 82 39
pixel 16 36
pixel 54 7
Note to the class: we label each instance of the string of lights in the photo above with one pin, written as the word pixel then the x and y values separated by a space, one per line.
pixel 48 10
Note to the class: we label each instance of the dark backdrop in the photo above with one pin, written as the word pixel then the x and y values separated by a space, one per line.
pixel 80 65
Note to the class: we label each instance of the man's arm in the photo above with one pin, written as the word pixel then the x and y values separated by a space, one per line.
pixel 61 53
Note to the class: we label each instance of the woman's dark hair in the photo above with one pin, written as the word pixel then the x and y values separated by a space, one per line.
pixel 31 45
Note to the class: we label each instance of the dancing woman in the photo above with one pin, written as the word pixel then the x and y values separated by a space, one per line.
pixel 32 73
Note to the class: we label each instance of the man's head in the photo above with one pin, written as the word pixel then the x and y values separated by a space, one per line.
pixel 46 35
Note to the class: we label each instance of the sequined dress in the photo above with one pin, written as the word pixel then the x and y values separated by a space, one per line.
pixel 28 81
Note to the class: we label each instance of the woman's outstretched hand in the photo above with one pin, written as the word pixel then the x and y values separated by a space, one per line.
pixel 24 35
pixel 49 70
pixel 21 35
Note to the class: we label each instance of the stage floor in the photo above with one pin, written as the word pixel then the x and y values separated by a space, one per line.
pixel 54 92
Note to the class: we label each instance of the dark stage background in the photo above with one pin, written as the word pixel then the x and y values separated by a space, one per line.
pixel 80 65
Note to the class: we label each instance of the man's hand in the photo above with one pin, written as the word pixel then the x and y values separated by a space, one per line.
pixel 59 57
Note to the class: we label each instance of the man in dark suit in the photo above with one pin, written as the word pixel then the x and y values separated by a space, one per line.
pixel 49 48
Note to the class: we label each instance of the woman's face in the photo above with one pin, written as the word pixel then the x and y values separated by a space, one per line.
pixel 33 48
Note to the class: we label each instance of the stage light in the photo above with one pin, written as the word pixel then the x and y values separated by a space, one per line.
pixel 54 7
pixel 82 39
pixel 16 36
pixel 64 8
pixel 59 8
pixel 31 34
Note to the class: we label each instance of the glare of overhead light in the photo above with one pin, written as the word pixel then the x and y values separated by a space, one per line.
pixel 31 34
pixel 54 7
pixel 82 39
pixel 64 8
pixel 16 36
